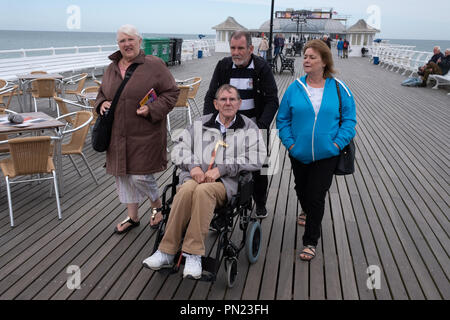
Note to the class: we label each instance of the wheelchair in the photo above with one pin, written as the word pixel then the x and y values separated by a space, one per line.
pixel 240 207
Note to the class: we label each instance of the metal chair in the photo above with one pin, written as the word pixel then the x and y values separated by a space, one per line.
pixel 90 102
pixel 4 148
pixel 7 92
pixel 63 109
pixel 79 79
pixel 29 156
pixel 45 88
pixel 182 104
pixel 194 83
pixel 78 138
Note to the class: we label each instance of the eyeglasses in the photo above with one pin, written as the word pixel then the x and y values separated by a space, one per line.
pixel 231 100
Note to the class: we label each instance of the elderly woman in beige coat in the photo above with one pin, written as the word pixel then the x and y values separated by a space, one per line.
pixel 139 136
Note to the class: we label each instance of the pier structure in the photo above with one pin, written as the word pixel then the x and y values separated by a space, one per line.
pixel 385 233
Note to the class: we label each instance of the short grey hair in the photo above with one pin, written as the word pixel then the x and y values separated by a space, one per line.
pixel 130 30
pixel 241 33
pixel 437 47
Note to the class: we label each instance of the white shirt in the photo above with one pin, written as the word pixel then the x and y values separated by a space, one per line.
pixel 316 97
pixel 223 129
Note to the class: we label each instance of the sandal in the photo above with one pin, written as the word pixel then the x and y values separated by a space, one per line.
pixel 132 224
pixel 301 221
pixel 155 211
pixel 309 254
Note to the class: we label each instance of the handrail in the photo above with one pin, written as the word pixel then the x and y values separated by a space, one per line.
pixel 23 52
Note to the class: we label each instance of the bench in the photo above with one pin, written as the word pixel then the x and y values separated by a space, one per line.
pixel 440 80
pixel 286 63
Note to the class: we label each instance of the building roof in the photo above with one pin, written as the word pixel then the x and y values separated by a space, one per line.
pixel 229 24
pixel 324 26
pixel 362 26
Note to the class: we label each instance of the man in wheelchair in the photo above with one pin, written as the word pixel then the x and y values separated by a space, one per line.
pixel 211 153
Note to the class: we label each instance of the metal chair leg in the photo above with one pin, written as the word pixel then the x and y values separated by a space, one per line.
pixel 89 168
pixel 8 191
pixel 58 205
pixel 73 162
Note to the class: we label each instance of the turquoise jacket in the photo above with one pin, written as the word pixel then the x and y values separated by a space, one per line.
pixel 314 136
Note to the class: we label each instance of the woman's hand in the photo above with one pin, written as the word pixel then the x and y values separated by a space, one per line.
pixel 198 175
pixel 105 106
pixel 143 111
pixel 212 175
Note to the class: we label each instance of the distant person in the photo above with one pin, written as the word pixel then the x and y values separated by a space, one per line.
pixel 308 124
pixel 282 40
pixel 276 44
pixel 441 67
pixel 345 47
pixel 254 79
pixel 436 55
pixel 327 40
pixel 340 48
pixel 138 140
pixel 263 47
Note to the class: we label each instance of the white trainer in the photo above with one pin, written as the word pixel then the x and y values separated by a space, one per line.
pixel 193 266
pixel 159 260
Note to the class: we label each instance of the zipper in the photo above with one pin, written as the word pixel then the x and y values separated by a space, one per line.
pixel 314 128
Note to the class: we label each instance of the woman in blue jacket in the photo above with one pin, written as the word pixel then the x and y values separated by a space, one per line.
pixel 308 124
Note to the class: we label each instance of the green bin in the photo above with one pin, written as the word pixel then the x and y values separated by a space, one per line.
pixel 158 47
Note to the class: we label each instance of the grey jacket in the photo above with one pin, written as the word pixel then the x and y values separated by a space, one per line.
pixel 246 149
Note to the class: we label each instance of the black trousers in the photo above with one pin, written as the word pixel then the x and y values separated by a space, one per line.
pixel 260 188
pixel 312 181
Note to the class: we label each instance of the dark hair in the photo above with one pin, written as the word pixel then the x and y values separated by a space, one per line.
pixel 241 33
pixel 325 53
pixel 227 87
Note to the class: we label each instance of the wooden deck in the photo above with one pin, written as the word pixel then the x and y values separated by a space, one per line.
pixel 393 213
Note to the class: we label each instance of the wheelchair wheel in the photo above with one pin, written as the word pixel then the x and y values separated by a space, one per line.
pixel 253 241
pixel 231 267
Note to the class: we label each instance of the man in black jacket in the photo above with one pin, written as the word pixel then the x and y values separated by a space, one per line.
pixel 437 54
pixel 254 79
pixel 441 67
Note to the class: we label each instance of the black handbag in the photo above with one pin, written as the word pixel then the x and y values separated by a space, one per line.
pixel 101 132
pixel 346 161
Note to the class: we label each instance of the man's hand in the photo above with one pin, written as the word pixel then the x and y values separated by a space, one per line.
pixel 212 175
pixel 143 111
pixel 198 175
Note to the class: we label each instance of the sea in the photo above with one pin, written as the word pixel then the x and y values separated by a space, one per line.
pixel 17 39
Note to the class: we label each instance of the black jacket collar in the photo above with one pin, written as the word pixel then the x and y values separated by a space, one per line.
pixel 238 124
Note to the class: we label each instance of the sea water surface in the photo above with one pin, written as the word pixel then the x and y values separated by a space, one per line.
pixel 17 39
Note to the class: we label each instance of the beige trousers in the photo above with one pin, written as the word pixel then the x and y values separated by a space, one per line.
pixel 192 210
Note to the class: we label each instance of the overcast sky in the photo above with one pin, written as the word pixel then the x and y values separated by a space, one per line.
pixel 404 19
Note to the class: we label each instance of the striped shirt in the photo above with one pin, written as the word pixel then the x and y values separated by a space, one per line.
pixel 242 79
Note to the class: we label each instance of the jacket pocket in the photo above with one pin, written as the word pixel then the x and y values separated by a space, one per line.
pixel 302 150
pixel 324 147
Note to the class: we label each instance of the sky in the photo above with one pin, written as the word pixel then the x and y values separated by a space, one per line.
pixel 402 19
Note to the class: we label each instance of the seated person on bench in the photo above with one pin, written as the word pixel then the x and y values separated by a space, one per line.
pixel 207 182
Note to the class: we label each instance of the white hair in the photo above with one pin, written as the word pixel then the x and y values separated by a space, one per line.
pixel 130 30
pixel 437 47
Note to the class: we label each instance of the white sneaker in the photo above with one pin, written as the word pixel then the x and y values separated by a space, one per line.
pixel 193 266
pixel 159 260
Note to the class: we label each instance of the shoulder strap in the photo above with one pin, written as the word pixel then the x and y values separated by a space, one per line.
pixel 340 103
pixel 128 74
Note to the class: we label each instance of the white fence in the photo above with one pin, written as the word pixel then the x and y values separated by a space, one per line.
pixel 399 57
pixel 75 59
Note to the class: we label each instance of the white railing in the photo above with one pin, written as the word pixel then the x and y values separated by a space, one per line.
pixel 54 51
pixel 399 57
pixel 75 59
